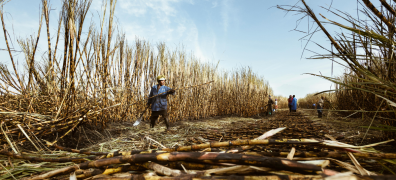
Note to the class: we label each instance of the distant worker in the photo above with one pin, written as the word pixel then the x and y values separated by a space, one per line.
pixel 294 104
pixel 320 107
pixel 276 105
pixel 270 103
pixel 159 104
pixel 314 106
pixel 290 100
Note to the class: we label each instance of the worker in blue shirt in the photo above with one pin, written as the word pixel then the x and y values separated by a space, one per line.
pixel 159 104
pixel 294 104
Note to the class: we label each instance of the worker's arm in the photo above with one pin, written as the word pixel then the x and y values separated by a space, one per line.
pixel 170 91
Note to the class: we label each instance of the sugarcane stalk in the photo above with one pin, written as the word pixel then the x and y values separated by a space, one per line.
pixel 123 168
pixel 173 165
pixel 123 153
pixel 53 173
pixel 191 165
pixel 160 169
pixel 211 150
pixel 242 143
pixel 232 169
pixel 21 85
pixel 338 155
pixel 90 174
pixel 79 151
pixel 370 6
pixel 70 130
pixel 8 139
pixel 82 116
pixel 27 136
pixel 388 7
pixel 40 159
pixel 107 154
pixel 264 136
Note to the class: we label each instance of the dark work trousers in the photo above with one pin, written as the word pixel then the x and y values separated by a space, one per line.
pixel 154 116
pixel 320 113
pixel 290 107
pixel 269 109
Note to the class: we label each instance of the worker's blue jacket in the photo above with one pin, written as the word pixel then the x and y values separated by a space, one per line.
pixel 294 104
pixel 158 103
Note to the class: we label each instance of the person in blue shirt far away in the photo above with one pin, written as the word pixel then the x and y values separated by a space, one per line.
pixel 294 104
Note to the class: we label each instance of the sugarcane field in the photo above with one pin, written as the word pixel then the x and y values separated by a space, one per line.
pixel 190 89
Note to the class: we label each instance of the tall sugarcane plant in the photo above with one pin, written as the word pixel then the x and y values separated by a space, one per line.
pixel 366 50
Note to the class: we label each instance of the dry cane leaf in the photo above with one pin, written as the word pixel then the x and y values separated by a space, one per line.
pixel 73 176
pixel 358 167
pixel 291 154
pixel 361 170
pixel 320 163
pixel 342 176
pixel 270 133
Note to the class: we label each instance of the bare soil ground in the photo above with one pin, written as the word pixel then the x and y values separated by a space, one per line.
pixel 303 124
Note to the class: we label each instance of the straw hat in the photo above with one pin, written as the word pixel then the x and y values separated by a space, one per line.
pixel 161 77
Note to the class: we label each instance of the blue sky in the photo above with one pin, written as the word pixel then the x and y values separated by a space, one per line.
pixel 239 33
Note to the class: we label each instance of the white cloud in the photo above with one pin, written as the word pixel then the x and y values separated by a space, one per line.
pixel 157 16
pixel 225 14
pixel 161 21
pixel 228 14
pixel 194 38
pixel 141 7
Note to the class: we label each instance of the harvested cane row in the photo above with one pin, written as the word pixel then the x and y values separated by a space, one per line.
pixel 168 163
pixel 238 157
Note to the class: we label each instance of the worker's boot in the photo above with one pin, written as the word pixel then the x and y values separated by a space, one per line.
pixel 167 123
pixel 152 123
